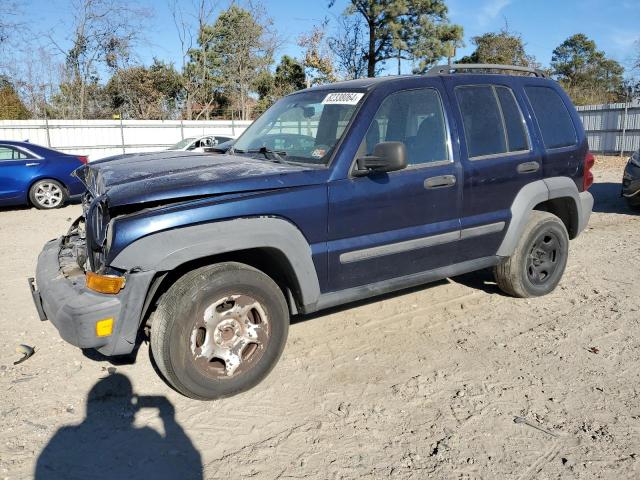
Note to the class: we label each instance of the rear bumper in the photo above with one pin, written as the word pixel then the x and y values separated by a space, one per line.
pixel 586 206
pixel 74 310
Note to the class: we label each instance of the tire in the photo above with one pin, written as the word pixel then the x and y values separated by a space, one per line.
pixel 47 194
pixel 634 203
pixel 538 261
pixel 204 326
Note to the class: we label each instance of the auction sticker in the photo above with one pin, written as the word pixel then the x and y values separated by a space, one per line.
pixel 342 98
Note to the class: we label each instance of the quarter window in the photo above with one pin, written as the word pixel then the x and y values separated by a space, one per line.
pixel 9 153
pixel 415 118
pixel 492 120
pixel 553 117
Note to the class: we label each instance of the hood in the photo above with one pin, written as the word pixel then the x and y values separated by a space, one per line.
pixel 152 177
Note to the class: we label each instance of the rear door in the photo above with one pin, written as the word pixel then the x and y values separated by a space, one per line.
pixel 564 142
pixel 498 155
pixel 395 224
pixel 16 170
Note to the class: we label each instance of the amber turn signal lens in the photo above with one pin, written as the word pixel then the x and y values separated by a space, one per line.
pixel 104 328
pixel 104 283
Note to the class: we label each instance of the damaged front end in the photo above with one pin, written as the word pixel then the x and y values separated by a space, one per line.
pixel 74 289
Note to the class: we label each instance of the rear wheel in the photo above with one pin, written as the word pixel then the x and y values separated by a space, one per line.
pixel 219 330
pixel 634 202
pixel 538 262
pixel 47 194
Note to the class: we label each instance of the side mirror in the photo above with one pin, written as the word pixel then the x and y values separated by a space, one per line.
pixel 386 157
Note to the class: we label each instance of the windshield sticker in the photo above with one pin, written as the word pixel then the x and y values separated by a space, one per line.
pixel 319 153
pixel 342 98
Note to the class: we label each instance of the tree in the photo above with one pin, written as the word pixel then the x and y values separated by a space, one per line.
pixel 288 78
pixel 9 25
pixel 11 107
pixel 235 50
pixel 416 30
pixel 200 95
pixel 104 33
pixel 503 48
pixel 317 62
pixel 586 73
pixel 145 93
pixel 347 46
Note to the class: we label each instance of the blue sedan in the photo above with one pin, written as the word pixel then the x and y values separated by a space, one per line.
pixel 38 176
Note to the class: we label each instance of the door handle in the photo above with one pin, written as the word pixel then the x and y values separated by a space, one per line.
pixel 31 164
pixel 528 167
pixel 440 181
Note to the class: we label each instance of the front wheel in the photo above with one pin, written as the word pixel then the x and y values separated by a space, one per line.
pixel 219 330
pixel 47 194
pixel 538 262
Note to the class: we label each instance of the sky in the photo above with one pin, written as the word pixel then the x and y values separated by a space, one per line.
pixel 543 24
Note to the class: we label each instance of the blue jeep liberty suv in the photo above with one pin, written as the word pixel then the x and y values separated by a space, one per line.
pixel 335 194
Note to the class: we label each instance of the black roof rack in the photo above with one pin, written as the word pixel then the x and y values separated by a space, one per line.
pixel 449 69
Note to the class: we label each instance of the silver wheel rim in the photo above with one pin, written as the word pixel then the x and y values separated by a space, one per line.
pixel 48 194
pixel 231 336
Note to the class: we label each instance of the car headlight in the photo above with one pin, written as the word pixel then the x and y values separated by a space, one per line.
pixel 635 159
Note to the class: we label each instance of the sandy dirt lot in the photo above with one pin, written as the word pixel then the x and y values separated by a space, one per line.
pixel 422 384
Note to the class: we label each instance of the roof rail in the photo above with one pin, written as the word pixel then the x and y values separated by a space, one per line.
pixel 448 69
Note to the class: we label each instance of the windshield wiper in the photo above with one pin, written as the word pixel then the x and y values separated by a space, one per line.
pixel 276 155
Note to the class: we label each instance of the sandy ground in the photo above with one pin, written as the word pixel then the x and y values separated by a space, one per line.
pixel 425 383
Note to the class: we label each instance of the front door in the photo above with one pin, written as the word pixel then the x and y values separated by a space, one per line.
pixel 389 225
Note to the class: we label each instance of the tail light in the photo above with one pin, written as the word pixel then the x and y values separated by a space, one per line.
pixel 587 179
pixel 83 158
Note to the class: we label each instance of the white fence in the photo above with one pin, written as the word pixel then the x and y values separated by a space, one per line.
pixel 101 138
pixel 612 128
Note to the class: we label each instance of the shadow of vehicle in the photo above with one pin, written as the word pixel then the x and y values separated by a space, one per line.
pixel 480 280
pixel 360 303
pixel 107 444
pixel 607 198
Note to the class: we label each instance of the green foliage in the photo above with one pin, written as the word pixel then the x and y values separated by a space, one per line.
pixel 11 107
pixel 289 77
pixel 145 93
pixel 503 48
pixel 232 54
pixel 586 73
pixel 416 30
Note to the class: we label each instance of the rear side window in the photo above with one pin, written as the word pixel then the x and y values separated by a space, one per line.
pixel 493 122
pixel 553 117
pixel 9 153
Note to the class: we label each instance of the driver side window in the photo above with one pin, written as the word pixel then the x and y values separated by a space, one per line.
pixel 415 118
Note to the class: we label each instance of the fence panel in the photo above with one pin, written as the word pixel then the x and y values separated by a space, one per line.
pixel 101 138
pixel 612 128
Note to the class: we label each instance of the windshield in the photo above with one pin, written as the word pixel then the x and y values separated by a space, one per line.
pixel 303 127
pixel 181 144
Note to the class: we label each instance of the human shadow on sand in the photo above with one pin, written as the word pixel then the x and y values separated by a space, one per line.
pixel 106 445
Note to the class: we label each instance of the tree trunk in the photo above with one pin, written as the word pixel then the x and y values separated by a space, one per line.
pixel 371 66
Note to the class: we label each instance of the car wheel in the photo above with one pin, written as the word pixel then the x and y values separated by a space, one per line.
pixel 538 262
pixel 634 202
pixel 219 330
pixel 47 194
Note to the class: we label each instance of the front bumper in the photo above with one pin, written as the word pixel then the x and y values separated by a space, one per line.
pixel 61 296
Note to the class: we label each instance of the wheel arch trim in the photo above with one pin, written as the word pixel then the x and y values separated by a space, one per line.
pixel 167 250
pixel 535 193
